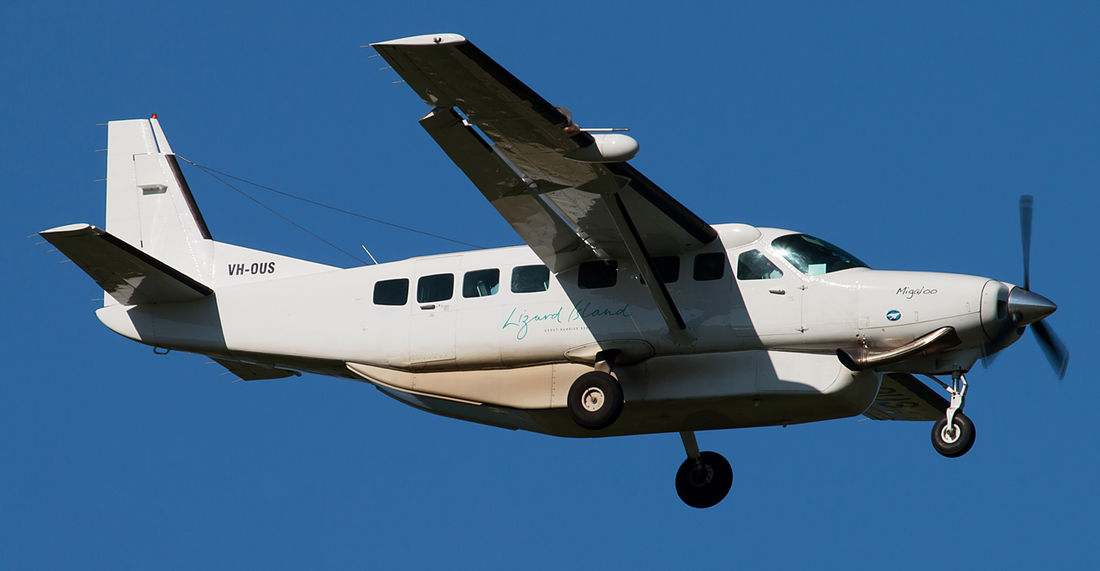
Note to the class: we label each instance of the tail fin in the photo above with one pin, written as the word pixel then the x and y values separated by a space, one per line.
pixel 149 204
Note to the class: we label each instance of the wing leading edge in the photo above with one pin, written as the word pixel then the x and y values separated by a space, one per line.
pixel 567 210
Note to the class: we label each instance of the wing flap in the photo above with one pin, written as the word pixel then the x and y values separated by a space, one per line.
pixel 552 240
pixel 904 397
pixel 126 273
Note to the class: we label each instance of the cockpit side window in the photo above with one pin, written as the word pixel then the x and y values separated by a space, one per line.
pixel 753 265
pixel 813 256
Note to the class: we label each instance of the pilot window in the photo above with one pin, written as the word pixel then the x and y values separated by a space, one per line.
pixel 391 292
pixel 439 287
pixel 813 256
pixel 752 265
pixel 709 266
pixel 601 273
pixel 481 283
pixel 530 279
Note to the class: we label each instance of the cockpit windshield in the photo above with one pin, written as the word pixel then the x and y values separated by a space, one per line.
pixel 813 256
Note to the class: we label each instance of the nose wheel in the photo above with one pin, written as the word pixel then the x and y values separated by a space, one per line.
pixel 955 439
pixel 953 435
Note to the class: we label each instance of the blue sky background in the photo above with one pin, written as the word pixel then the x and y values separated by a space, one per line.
pixel 903 134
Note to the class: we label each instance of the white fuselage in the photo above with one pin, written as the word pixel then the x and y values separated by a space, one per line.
pixel 764 349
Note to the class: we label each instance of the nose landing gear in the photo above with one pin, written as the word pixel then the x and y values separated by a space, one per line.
pixel 953 435
pixel 704 478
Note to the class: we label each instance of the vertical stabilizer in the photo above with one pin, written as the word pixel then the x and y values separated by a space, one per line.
pixel 149 204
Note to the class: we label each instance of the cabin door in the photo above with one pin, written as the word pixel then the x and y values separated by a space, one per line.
pixel 432 320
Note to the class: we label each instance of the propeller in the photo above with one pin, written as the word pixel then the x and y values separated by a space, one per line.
pixel 1028 308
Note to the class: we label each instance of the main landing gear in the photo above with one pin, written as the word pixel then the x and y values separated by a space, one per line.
pixel 595 401
pixel 704 478
pixel 596 398
pixel 953 435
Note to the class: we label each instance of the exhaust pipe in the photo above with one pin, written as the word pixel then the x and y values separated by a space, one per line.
pixel 862 358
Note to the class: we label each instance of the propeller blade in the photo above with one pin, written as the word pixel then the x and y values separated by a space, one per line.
pixel 1026 208
pixel 1053 347
pixel 997 343
pixel 988 358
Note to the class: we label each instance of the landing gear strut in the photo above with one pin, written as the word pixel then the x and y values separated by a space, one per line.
pixel 596 399
pixel 704 478
pixel 953 435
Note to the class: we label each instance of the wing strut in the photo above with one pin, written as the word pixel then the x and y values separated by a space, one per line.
pixel 678 331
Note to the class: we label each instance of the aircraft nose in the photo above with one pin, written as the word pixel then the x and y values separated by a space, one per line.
pixel 1030 306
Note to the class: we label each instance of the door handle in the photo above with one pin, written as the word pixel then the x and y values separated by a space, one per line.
pixel 778 291
pixel 429 306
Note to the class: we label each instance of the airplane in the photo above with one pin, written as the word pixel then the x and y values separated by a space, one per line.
pixel 623 313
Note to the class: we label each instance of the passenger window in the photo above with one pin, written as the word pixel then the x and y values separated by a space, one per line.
pixel 753 265
pixel 481 283
pixel 710 266
pixel 391 292
pixel 530 279
pixel 668 269
pixel 601 273
pixel 439 287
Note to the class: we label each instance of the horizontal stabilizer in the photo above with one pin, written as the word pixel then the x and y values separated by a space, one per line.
pixel 252 372
pixel 903 397
pixel 126 273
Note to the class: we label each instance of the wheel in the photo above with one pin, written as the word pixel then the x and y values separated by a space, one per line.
pixel 705 487
pixel 595 400
pixel 956 441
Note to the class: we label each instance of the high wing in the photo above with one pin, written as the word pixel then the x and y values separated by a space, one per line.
pixel 546 177
pixel 903 397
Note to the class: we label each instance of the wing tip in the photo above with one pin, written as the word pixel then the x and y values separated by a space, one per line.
pixel 425 40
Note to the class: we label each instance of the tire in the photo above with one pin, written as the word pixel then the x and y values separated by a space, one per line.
pixel 957 444
pixel 707 489
pixel 595 400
